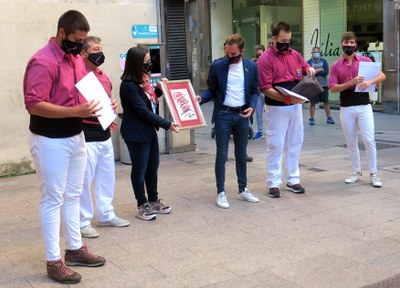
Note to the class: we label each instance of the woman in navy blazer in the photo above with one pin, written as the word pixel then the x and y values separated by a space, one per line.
pixel 140 121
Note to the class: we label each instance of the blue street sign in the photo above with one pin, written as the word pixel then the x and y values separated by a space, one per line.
pixel 144 31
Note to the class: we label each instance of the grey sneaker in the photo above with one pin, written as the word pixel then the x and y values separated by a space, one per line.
pixel 296 188
pixel 89 232
pixel 159 208
pixel 145 213
pixel 222 201
pixel 376 181
pixel 247 196
pixel 354 178
pixel 115 222
pixel 274 192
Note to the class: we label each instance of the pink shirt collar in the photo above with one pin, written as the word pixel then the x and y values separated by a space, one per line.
pixel 344 59
pixel 276 51
pixel 56 49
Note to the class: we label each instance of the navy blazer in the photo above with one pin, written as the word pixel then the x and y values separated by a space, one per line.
pixel 139 122
pixel 217 81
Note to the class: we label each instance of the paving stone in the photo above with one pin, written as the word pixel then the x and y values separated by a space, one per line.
pixel 205 276
pixel 334 235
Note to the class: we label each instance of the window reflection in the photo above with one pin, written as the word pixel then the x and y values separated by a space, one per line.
pixel 254 19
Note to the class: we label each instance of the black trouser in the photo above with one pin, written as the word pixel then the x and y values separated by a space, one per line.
pixel 145 161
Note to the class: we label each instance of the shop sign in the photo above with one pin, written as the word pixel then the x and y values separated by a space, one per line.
pixel 144 31
pixel 327 48
pixel 249 20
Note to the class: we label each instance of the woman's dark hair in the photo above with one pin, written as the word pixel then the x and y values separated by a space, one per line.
pixel 134 64
pixel 73 20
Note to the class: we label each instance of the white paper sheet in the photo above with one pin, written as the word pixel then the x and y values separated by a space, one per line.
pixel 369 70
pixel 287 92
pixel 91 88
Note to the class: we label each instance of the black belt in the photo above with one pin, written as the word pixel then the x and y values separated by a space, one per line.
pixel 232 109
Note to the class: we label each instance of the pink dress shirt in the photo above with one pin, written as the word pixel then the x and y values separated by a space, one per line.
pixel 91 126
pixel 104 80
pixel 275 67
pixel 342 71
pixel 51 75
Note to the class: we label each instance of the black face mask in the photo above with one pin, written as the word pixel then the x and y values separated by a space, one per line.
pixel 234 59
pixel 282 47
pixel 70 47
pixel 348 50
pixel 147 67
pixel 96 58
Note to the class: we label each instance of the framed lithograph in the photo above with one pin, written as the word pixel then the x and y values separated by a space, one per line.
pixel 181 101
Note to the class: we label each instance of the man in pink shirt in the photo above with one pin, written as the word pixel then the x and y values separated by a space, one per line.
pixel 100 167
pixel 355 108
pixel 57 144
pixel 282 66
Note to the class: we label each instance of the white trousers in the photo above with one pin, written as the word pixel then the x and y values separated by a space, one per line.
pixel 361 117
pixel 100 170
pixel 284 134
pixel 60 164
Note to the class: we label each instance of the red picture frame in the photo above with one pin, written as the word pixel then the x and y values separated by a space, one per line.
pixel 181 101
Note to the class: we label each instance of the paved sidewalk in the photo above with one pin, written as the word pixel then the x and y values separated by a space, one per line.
pixel 335 235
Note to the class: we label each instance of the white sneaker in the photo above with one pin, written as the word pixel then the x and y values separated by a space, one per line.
pixel 246 195
pixel 89 232
pixel 222 201
pixel 353 178
pixel 375 181
pixel 115 222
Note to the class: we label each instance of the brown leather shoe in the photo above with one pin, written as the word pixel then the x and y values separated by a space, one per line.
pixel 82 257
pixel 62 273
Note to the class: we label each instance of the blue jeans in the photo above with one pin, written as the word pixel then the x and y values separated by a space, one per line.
pixel 260 111
pixel 145 159
pixel 227 123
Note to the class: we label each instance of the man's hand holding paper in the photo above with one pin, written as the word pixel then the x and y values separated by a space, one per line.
pixel 91 89
pixel 367 70
pixel 294 97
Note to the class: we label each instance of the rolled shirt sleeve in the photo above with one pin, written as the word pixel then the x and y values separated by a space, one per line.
pixel 38 87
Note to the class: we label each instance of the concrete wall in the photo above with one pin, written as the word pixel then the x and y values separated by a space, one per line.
pixel 25 27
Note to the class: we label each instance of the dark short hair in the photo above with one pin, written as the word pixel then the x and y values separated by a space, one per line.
pixel 235 39
pixel 134 64
pixel 349 36
pixel 73 20
pixel 316 47
pixel 259 47
pixel 86 42
pixel 280 26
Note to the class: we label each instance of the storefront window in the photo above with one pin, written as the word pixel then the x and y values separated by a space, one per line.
pixel 253 19
pixel 365 18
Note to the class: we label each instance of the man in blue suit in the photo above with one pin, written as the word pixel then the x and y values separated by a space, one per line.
pixel 233 84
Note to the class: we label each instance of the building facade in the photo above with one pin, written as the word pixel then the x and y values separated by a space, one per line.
pixel 318 23
pixel 26 26
pixel 190 35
